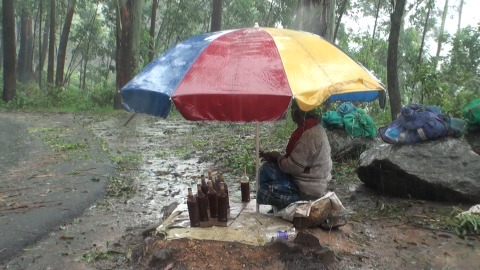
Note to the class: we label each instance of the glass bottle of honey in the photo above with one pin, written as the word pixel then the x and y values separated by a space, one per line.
pixel 193 212
pixel 202 204
pixel 222 180
pixel 222 199
pixel 212 200
pixel 245 186
pixel 204 186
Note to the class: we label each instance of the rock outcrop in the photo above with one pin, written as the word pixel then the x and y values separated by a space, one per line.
pixel 473 138
pixel 443 170
pixel 346 147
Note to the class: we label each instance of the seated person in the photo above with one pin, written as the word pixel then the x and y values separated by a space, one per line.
pixel 304 171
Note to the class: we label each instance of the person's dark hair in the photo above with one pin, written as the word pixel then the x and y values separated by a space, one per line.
pixel 308 114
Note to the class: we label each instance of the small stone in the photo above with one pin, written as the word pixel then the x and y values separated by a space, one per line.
pixel 161 256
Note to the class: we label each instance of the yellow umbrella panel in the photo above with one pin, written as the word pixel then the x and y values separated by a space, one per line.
pixel 318 70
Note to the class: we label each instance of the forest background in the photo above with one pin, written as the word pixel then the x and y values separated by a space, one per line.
pixel 68 55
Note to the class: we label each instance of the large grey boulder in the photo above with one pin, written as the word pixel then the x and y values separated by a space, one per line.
pixel 345 147
pixel 473 138
pixel 442 170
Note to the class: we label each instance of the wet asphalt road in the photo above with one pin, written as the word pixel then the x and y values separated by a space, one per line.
pixel 42 188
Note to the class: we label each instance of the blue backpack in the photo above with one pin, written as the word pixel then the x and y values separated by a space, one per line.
pixel 415 124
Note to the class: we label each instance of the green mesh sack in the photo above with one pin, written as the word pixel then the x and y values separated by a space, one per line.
pixel 332 120
pixel 471 114
pixel 359 124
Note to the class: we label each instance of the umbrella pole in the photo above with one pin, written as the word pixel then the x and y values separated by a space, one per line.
pixel 257 153
pixel 129 119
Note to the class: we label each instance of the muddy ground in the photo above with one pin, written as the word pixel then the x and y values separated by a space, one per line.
pixel 156 160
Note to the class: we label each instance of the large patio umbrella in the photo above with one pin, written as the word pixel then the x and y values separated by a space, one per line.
pixel 248 75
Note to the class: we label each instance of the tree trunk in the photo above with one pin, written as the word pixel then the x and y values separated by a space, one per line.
pixel 430 6
pixel 62 46
pixel 216 24
pixel 460 8
pixel 441 34
pixel 84 63
pixel 312 16
pixel 151 46
pixel 320 24
pixel 39 68
pixel 85 56
pixel 9 51
pixel 25 53
pixel 299 16
pixel 377 11
pixel 392 69
pixel 267 20
pixel 129 13
pixel 44 46
pixel 1 53
pixel 72 65
pixel 317 16
pixel 340 15
pixel 51 44
pixel 331 4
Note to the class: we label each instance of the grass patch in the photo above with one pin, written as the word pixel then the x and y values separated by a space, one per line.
pixel 55 137
pixel 120 187
pixel 462 224
pixel 200 144
pixel 29 97
pixel 345 172
pixel 161 154
pixel 94 256
pixel 182 151
pixel 127 161
pixel 433 218
pixel 391 210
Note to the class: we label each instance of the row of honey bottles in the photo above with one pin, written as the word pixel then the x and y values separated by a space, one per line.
pixel 211 201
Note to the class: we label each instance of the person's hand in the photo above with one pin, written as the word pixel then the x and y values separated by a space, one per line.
pixel 269 156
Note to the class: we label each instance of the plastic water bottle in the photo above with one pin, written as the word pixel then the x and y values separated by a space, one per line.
pixel 286 235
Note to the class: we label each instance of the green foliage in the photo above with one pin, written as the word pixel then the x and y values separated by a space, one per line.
pixel 381 117
pixel 246 13
pixel 464 62
pixel 468 224
pixel 431 89
pixel 57 138
pixel 461 69
pixel 391 210
pixel 120 187
pixel 244 156
pixel 102 95
pixel 29 96
pixel 345 172
pixel 59 99
pixel 462 224
pixel 284 129
pixel 98 255
pixel 368 53
pixel 179 20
